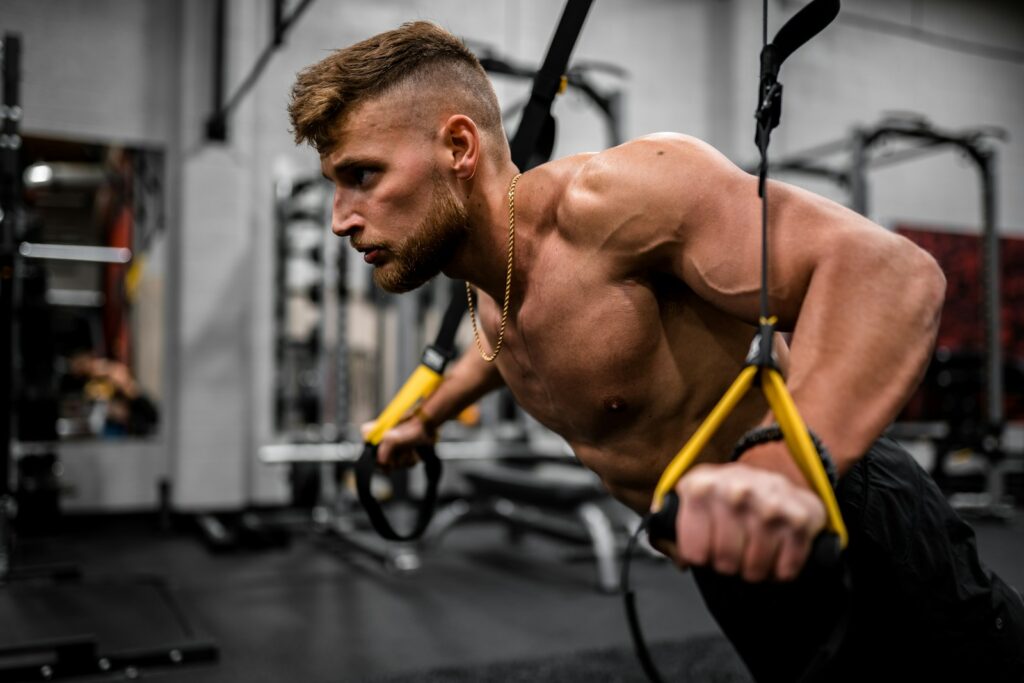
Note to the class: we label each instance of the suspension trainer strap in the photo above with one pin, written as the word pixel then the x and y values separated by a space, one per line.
pixel 428 376
pixel 762 369
pixel 548 82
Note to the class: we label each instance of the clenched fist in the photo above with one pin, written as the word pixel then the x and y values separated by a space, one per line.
pixel 397 448
pixel 744 520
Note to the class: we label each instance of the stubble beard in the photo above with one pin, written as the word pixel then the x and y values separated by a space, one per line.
pixel 430 246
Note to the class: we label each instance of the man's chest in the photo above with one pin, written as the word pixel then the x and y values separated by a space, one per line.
pixel 591 356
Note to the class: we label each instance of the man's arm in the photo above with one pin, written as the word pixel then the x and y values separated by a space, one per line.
pixel 863 305
pixel 466 381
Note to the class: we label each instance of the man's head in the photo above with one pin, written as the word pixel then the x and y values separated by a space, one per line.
pixel 399 120
pixel 419 59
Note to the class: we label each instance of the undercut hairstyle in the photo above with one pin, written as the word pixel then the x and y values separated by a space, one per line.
pixel 419 57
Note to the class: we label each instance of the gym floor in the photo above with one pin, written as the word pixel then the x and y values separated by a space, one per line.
pixel 316 611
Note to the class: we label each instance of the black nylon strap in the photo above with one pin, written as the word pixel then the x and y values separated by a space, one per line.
pixel 546 84
pixel 436 356
pixel 632 617
pixel 445 339
pixel 807 23
pixel 548 80
pixel 365 467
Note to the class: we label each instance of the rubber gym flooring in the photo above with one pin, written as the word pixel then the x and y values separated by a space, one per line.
pixel 481 608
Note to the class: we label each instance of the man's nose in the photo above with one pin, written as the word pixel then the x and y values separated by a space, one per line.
pixel 344 218
pixel 343 224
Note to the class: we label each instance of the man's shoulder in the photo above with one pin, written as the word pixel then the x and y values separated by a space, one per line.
pixel 648 176
pixel 646 151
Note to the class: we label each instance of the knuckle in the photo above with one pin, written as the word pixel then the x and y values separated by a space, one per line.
pixel 740 495
pixel 697 485
pixel 800 521
pixel 773 517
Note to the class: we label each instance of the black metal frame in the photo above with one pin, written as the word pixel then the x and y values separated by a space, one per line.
pixel 217 122
pixel 10 214
pixel 925 139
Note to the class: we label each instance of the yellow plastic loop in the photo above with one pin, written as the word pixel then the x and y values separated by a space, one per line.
pixel 686 456
pixel 563 85
pixel 804 453
pixel 421 384
pixel 798 441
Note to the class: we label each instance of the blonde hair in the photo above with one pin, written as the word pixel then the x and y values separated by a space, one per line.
pixel 420 57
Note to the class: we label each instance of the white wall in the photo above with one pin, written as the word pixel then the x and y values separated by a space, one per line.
pixel 127 70
pixel 97 69
pixel 854 73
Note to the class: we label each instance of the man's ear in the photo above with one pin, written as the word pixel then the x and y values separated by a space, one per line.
pixel 462 145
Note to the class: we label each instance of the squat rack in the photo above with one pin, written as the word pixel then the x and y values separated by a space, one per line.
pixel 916 137
pixel 920 138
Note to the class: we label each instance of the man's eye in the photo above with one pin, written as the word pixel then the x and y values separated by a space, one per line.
pixel 360 176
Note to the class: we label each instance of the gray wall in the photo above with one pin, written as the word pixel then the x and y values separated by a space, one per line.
pixel 140 71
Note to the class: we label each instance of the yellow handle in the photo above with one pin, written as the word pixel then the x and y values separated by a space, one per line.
pixel 421 384
pixel 689 452
pixel 798 441
pixel 800 445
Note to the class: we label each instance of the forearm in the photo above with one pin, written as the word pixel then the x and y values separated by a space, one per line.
pixel 468 379
pixel 863 338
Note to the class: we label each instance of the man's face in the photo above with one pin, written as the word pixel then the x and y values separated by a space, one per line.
pixel 390 199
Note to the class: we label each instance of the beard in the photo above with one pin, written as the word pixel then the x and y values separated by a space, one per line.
pixel 427 249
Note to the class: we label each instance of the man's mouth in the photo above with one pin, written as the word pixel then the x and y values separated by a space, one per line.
pixel 370 253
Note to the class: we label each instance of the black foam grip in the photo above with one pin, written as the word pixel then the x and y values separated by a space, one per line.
pixel 825 550
pixel 662 524
pixel 365 468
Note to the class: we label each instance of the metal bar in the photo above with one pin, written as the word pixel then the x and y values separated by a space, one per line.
pixel 216 126
pixel 907 154
pixel 74 252
pixel 10 197
pixel 349 451
pixel 991 283
pixel 217 122
pixel 858 164
pixel 278 22
pixel 84 298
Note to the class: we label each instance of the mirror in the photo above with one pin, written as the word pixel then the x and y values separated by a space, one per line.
pixel 90 305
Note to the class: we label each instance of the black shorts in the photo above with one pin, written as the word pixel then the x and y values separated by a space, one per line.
pixel 922 607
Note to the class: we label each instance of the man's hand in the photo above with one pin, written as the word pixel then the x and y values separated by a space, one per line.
pixel 397 448
pixel 745 520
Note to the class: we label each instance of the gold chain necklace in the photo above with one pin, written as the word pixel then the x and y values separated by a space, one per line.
pixel 508 279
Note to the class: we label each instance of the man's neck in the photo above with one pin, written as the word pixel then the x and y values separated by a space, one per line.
pixel 483 260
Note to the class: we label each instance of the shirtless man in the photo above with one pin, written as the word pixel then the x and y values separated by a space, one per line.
pixel 631 304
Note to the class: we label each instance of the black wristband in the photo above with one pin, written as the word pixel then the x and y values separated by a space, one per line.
pixel 760 435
